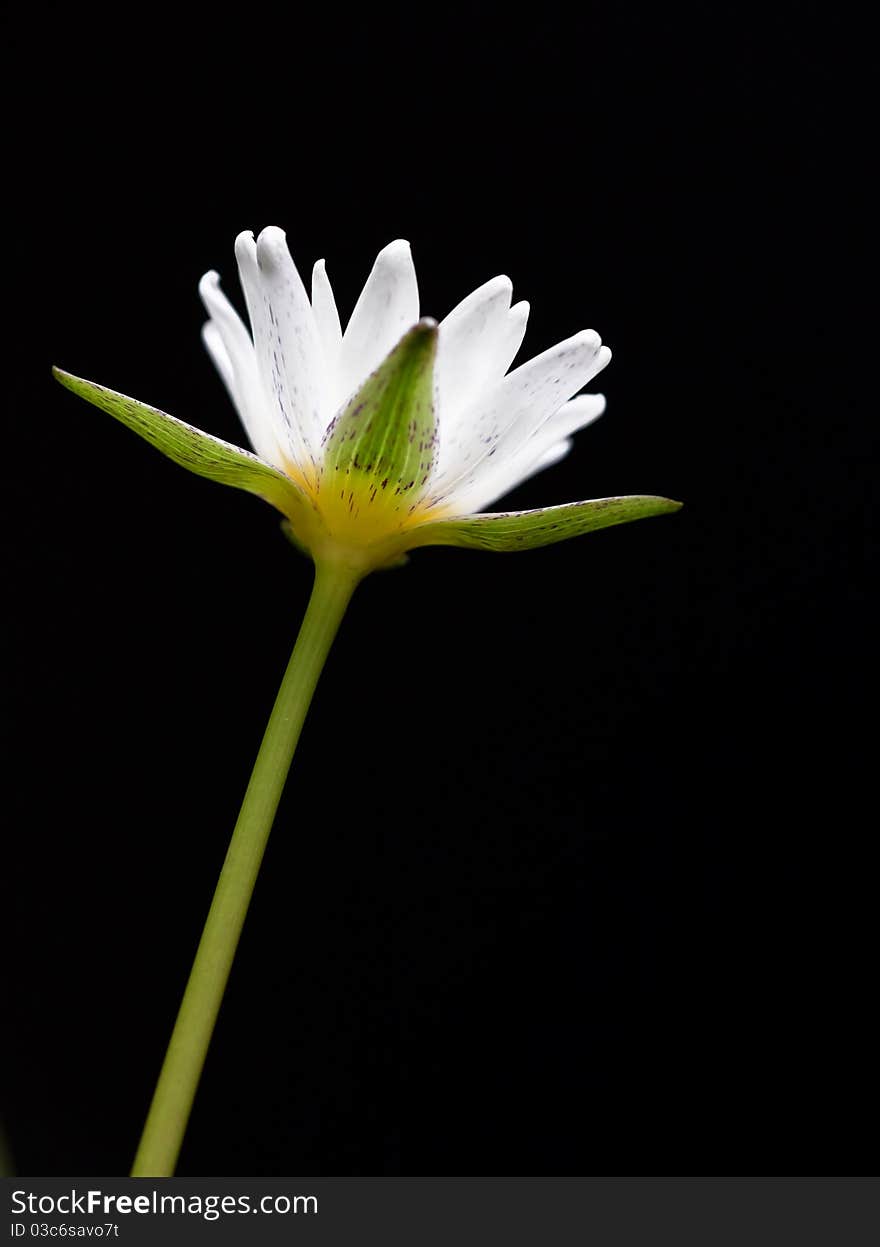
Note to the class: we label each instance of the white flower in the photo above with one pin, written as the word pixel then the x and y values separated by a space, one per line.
pixel 397 432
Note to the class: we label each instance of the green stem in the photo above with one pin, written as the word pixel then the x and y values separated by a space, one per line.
pixel 172 1100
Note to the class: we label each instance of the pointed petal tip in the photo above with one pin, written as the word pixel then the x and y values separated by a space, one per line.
pixel 271 235
pixel 271 247
pixel 498 285
pixel 245 246
pixel 396 251
pixel 209 281
pixel 588 337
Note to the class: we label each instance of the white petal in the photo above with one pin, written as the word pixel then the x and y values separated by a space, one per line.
pixel 517 471
pixel 232 351
pixel 215 348
pixel 387 307
pixel 503 419
pixel 329 331
pixel 303 357
pixel 571 417
pixel 507 341
pixel 551 443
pixel 514 332
pixel 286 340
pixel 551 456
pixel 470 347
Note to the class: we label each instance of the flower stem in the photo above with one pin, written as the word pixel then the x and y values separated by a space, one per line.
pixel 172 1100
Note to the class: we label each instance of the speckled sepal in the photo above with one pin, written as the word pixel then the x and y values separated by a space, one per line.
pixel 197 451
pixel 380 448
pixel 526 530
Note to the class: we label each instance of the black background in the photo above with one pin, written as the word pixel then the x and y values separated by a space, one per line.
pixel 570 875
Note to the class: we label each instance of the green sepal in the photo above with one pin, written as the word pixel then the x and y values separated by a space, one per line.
pixel 197 451
pixel 526 530
pixel 383 442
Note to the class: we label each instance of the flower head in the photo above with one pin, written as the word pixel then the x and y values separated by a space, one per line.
pixel 395 433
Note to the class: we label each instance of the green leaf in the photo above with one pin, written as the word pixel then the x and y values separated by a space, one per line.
pixel 191 448
pixel 526 530
pixel 382 445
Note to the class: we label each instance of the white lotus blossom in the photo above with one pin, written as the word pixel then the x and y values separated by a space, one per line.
pixel 396 432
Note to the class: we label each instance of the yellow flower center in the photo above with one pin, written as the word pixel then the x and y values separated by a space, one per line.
pixel 358 516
